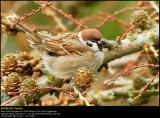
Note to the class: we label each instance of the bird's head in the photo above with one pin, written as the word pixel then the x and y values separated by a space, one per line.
pixel 92 39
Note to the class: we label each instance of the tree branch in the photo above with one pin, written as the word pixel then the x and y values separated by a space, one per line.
pixel 132 43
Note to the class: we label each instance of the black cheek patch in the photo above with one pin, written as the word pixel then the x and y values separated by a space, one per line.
pixel 100 46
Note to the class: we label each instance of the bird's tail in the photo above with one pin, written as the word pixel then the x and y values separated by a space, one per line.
pixel 35 40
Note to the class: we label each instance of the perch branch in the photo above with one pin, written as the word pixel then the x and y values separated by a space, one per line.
pixel 132 44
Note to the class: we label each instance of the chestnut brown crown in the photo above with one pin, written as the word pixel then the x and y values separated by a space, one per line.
pixel 91 34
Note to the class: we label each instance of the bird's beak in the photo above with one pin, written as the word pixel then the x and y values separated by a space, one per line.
pixel 106 44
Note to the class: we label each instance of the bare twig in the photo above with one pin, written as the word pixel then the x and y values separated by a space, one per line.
pixel 121 22
pixel 33 12
pixel 24 93
pixel 53 7
pixel 129 70
pixel 131 28
pixel 100 17
pixel 49 12
pixel 118 12
pixel 16 6
pixel 13 98
pixel 145 87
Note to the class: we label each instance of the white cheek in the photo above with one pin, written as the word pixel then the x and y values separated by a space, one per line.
pixel 94 47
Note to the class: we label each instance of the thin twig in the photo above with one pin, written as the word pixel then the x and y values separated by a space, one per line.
pixel 145 87
pixel 16 6
pixel 33 12
pixel 121 22
pixel 99 17
pixel 49 12
pixel 129 70
pixel 13 98
pixel 118 12
pixel 24 92
pixel 131 28
pixel 53 7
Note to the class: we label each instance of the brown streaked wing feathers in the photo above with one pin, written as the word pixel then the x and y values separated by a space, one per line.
pixel 61 48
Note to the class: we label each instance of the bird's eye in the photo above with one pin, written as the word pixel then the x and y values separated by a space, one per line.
pixel 89 44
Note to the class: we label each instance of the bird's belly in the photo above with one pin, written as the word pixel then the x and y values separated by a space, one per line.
pixel 65 66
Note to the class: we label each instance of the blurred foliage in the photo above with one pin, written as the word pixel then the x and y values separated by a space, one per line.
pixel 78 9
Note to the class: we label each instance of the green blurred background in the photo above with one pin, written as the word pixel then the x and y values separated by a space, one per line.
pixel 79 10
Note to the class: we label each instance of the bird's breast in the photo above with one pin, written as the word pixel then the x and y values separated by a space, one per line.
pixel 66 66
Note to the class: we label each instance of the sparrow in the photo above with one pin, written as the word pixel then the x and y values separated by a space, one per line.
pixel 64 53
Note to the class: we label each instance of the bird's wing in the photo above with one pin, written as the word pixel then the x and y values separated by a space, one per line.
pixel 59 45
pixel 66 44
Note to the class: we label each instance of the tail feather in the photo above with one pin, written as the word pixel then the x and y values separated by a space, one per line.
pixel 34 39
